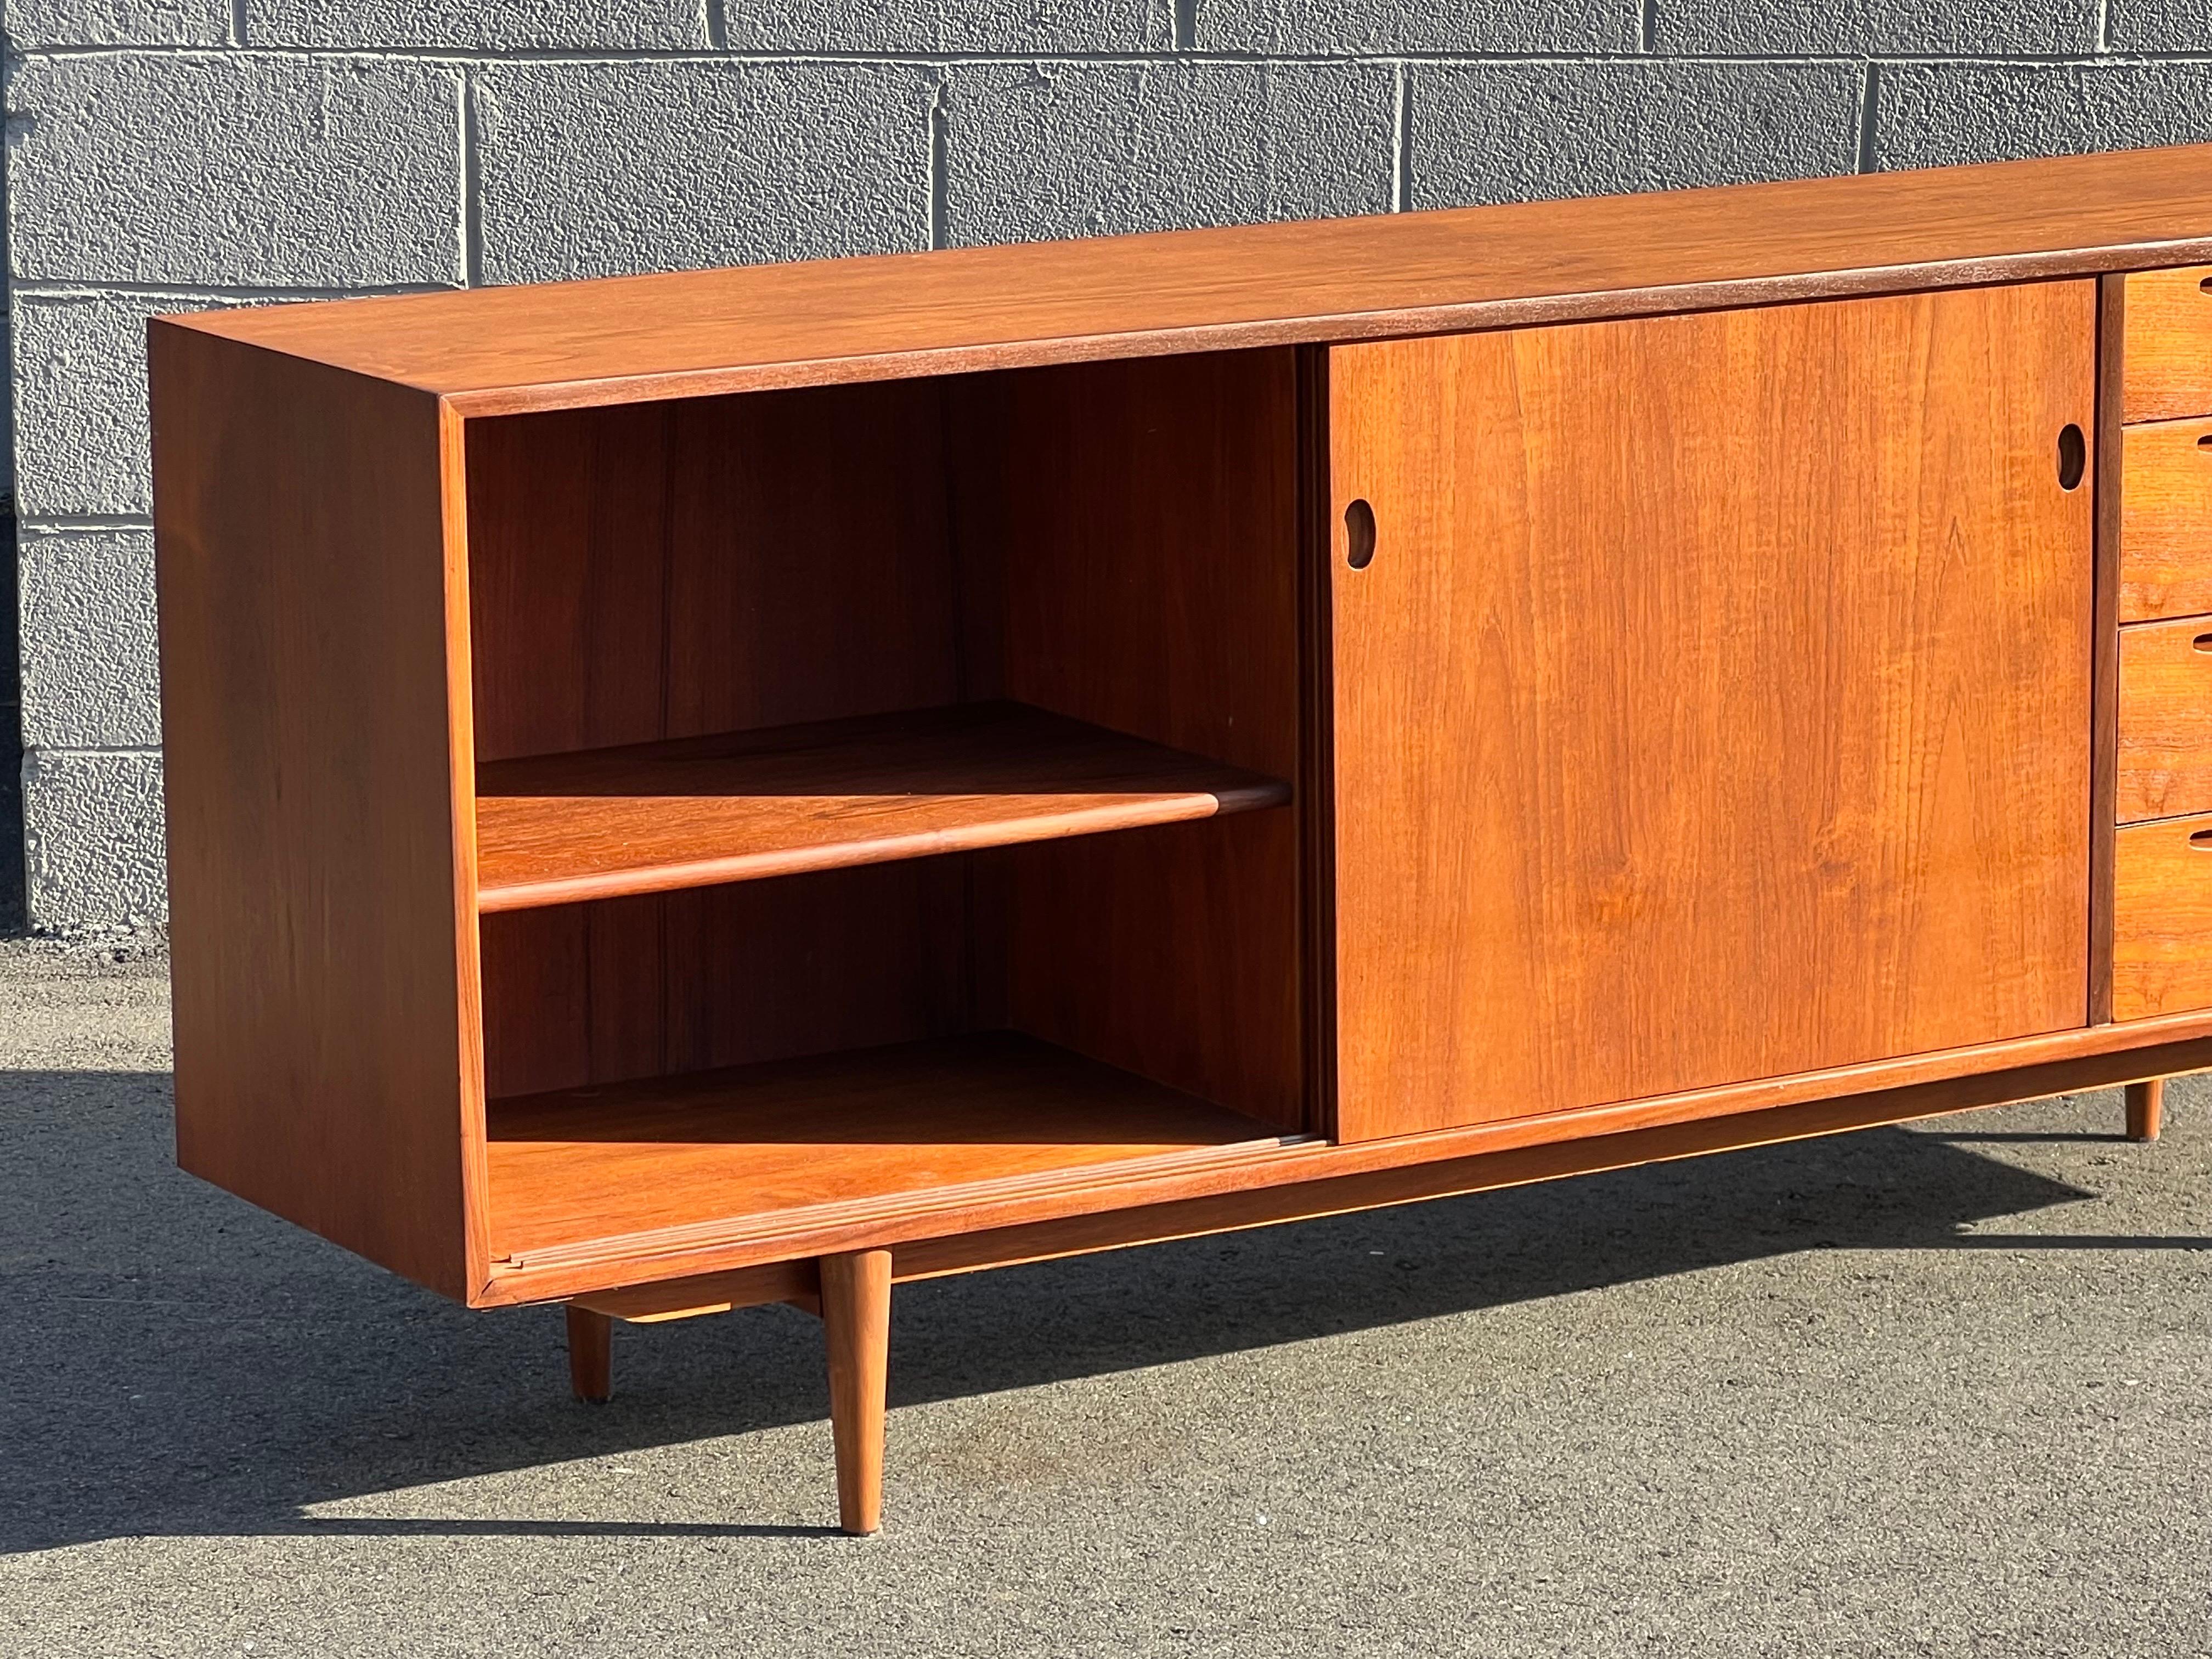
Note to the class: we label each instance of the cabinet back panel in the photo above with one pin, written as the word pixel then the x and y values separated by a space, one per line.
pixel 668 570
pixel 712 977
pixel 1716 703
pixel 1138 521
pixel 1170 952
pixel 1133 529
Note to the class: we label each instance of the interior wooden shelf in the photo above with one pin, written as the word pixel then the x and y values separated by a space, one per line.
pixel 598 823
pixel 622 1159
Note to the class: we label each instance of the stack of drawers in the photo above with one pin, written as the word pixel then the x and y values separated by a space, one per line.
pixel 2162 856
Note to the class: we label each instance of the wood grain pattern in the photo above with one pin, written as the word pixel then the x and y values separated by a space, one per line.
pixel 2162 918
pixel 1714 706
pixel 2165 523
pixel 931 314
pixel 1170 952
pixel 468 954
pixel 568 549
pixel 555 829
pixel 733 975
pixel 641 574
pixel 1129 532
pixel 2169 343
pixel 2109 484
pixel 1142 515
pixel 2165 752
pixel 623 1159
pixel 856 1320
pixel 2146 1109
pixel 317 776
pixel 1316 804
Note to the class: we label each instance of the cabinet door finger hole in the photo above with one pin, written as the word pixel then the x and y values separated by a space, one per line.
pixel 1359 535
pixel 2073 456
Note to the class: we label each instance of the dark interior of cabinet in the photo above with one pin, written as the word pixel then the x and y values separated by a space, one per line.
pixel 1113 544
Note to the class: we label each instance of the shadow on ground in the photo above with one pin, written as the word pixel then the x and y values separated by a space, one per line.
pixel 179 1363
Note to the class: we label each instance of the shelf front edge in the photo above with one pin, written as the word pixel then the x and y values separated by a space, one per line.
pixel 494 896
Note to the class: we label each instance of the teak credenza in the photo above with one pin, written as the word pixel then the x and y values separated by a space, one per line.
pixel 692 791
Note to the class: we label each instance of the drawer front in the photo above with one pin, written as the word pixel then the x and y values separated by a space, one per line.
pixel 2167 360
pixel 2162 918
pixel 2166 520
pixel 2166 720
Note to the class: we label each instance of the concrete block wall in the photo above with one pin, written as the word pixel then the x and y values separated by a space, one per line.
pixel 164 155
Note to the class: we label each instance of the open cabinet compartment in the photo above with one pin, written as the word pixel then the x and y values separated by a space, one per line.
pixel 796 717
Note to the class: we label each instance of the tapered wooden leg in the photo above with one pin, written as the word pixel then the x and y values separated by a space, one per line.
pixel 856 1316
pixel 2146 1106
pixel 590 1354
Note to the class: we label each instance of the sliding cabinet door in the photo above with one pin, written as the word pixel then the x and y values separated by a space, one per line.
pixel 1712 698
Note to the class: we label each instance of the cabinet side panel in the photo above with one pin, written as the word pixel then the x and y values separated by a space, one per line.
pixel 1716 705
pixel 325 1050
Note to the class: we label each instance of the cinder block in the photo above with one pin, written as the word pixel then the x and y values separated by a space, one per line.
pixel 1389 26
pixel 235 169
pixel 1931 115
pixel 1094 149
pixel 118 22
pixel 2159 25
pixel 479 25
pixel 7 475
pixel 93 838
pixel 80 426
pixel 1507 132
pixel 91 671
pixel 1981 27
pixel 591 169
pixel 943 25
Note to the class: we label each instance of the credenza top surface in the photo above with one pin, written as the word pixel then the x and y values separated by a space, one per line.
pixel 691 333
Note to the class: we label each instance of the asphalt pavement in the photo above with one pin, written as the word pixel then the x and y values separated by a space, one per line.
pixel 1944 1389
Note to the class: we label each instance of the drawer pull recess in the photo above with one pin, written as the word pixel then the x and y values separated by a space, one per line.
pixel 2200 841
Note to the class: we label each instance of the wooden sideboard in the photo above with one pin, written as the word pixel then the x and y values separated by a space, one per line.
pixel 692 791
